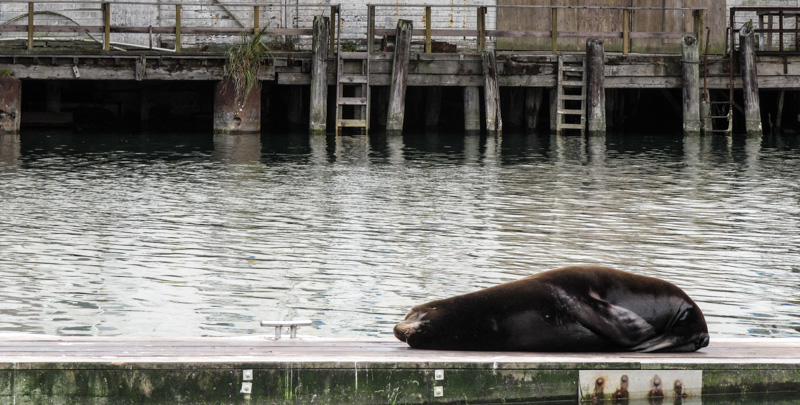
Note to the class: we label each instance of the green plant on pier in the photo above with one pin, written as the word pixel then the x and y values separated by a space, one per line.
pixel 5 73
pixel 244 61
pixel 349 47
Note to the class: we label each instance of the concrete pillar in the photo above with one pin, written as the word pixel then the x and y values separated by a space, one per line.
pixel 691 86
pixel 232 116
pixel 472 109
pixel 752 107
pixel 10 105
pixel 596 102
pixel 10 151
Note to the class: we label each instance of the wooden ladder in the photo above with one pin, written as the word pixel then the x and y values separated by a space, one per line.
pixel 571 113
pixel 352 91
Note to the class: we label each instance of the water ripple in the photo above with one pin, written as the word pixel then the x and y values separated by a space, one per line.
pixel 200 236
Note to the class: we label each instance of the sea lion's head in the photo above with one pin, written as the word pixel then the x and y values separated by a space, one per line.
pixel 686 332
pixel 444 324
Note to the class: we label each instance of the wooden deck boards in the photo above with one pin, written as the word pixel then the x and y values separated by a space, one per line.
pixel 52 349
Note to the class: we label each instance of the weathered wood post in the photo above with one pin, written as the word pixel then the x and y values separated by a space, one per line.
pixel 553 109
pixel 691 86
pixel 10 105
pixel 752 108
pixel 472 109
pixel 31 13
pixel 319 76
pixel 533 102
pixel 236 115
pixel 596 102
pixel 491 93
pixel 397 90
pixel 433 109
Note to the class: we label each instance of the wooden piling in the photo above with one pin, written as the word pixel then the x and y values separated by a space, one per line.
pixel 397 92
pixel 294 116
pixel 319 77
pixel 691 85
pixel 434 106
pixel 472 109
pixel 752 109
pixel 776 128
pixel 232 116
pixel 554 109
pixel 30 25
pixel 106 26
pixel 533 102
pixel 10 105
pixel 596 102
pixel 491 93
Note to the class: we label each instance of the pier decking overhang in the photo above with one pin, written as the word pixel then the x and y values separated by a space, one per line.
pixel 35 368
pixel 515 69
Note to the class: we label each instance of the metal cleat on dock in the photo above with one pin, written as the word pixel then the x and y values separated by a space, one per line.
pixel 292 325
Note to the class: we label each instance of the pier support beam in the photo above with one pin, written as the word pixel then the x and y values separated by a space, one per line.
pixel 691 85
pixel 397 90
pixel 294 95
pixel 10 105
pixel 596 102
pixel 472 109
pixel 554 109
pixel 319 76
pixel 491 93
pixel 433 108
pixel 236 115
pixel 533 102
pixel 752 108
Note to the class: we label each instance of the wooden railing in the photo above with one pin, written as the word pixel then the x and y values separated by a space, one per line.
pixel 481 33
pixel 788 37
pixel 623 16
pixel 178 29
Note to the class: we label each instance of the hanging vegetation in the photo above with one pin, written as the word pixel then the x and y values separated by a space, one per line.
pixel 244 62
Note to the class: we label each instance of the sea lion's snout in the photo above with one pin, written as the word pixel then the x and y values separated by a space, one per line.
pixel 702 341
pixel 409 326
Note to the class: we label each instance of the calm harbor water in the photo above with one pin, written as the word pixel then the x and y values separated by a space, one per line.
pixel 196 235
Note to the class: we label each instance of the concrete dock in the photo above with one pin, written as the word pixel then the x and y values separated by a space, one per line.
pixel 258 369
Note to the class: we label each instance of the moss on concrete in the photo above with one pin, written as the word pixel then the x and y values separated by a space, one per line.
pixel 750 381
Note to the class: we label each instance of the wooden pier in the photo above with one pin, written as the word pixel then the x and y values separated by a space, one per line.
pixel 37 368
pixel 637 56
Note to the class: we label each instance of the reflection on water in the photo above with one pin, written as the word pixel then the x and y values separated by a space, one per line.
pixel 176 235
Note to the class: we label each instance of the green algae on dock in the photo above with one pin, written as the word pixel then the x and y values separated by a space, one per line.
pixel 46 369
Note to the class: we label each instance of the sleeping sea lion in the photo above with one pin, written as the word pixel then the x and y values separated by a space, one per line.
pixel 577 308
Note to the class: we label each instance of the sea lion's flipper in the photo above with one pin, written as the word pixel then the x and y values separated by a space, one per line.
pixel 620 325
